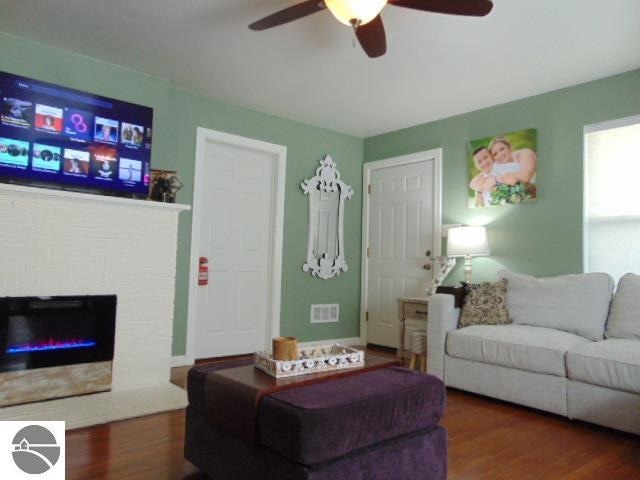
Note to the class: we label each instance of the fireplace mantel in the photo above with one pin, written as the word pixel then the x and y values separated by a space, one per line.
pixel 21 190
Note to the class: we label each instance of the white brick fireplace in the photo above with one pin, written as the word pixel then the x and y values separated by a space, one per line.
pixel 65 243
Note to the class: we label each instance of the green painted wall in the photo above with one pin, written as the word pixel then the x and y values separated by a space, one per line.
pixel 305 146
pixel 177 114
pixel 544 238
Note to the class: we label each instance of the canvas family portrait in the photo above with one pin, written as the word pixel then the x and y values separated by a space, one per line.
pixel 502 169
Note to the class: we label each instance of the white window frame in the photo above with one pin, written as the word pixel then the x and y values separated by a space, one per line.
pixel 593 128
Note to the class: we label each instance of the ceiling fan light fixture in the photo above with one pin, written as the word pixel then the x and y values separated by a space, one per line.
pixel 359 12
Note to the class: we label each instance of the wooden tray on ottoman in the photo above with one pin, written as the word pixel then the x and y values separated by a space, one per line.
pixel 316 359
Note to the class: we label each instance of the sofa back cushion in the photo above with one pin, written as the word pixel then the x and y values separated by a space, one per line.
pixel 624 320
pixel 573 303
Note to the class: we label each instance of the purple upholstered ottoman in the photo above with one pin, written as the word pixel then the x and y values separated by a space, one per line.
pixel 371 426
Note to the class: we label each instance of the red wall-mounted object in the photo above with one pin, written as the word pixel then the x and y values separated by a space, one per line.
pixel 203 271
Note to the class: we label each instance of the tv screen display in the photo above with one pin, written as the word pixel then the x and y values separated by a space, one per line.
pixel 57 136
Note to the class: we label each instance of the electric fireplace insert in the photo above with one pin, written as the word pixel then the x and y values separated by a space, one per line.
pixel 40 332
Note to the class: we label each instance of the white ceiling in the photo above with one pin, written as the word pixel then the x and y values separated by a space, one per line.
pixel 436 65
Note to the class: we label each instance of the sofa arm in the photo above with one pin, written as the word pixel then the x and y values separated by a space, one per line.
pixel 442 318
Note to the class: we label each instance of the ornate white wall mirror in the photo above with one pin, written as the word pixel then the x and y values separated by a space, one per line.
pixel 325 244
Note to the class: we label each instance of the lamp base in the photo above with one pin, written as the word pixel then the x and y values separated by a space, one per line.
pixel 467 269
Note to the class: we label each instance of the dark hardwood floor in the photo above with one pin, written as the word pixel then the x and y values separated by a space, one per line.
pixel 488 439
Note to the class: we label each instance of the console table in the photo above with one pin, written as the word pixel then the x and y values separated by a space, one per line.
pixel 416 308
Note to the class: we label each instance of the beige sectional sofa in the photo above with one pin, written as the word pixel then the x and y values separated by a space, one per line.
pixel 573 348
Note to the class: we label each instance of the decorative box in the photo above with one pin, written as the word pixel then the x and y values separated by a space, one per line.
pixel 316 359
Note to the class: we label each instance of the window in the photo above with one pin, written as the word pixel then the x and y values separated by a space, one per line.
pixel 612 197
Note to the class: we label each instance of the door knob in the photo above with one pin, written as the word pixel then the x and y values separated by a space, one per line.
pixel 427 266
pixel 428 253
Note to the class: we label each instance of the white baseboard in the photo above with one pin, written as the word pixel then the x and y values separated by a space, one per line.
pixel 343 341
pixel 181 361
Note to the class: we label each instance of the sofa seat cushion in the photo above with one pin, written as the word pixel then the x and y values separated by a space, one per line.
pixel 613 363
pixel 327 420
pixel 534 349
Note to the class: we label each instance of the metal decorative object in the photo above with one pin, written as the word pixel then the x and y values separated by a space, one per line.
pixel 445 265
pixel 317 359
pixel 325 246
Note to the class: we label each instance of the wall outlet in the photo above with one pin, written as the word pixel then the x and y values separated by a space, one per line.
pixel 325 313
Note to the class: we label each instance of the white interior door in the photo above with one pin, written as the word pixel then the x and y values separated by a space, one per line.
pixel 235 212
pixel 401 240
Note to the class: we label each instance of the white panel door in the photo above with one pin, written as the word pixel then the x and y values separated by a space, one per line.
pixel 235 211
pixel 401 235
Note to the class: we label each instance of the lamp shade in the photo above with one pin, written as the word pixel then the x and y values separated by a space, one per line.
pixel 470 241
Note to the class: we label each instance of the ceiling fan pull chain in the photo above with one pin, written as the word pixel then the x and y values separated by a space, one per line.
pixel 354 39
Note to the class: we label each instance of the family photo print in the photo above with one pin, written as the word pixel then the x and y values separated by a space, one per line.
pixel 502 169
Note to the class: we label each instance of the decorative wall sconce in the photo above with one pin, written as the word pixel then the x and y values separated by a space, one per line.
pixel 325 244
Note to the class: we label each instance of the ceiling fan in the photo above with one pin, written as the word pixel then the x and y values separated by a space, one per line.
pixel 364 16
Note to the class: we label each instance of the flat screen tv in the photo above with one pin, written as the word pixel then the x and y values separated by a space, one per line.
pixel 59 137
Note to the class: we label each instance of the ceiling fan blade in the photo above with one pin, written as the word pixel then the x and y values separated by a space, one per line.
pixel 372 38
pixel 474 8
pixel 289 14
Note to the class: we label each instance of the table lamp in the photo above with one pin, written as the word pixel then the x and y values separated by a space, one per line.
pixel 467 242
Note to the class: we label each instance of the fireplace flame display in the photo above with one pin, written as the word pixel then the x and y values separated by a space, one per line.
pixel 45 332
pixel 51 344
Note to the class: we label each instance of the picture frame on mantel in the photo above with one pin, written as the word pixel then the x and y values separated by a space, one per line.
pixel 164 185
pixel 502 169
